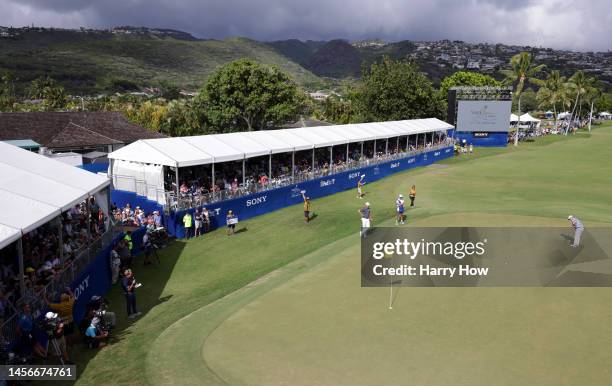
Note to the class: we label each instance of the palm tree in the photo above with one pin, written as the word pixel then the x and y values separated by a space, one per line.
pixel 593 93
pixel 553 92
pixel 522 70
pixel 580 84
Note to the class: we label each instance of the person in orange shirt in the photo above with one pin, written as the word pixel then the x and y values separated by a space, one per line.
pixel 412 195
pixel 306 206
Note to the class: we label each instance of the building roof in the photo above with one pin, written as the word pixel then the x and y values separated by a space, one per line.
pixel 207 149
pixel 34 189
pixel 72 129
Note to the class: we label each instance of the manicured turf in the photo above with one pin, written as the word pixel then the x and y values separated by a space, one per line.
pixel 546 181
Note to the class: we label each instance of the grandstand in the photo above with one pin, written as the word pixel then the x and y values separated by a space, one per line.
pixel 236 170
pixel 53 224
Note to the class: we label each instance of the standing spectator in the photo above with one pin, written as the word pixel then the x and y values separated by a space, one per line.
pixel 206 219
pixel 412 195
pixel 187 224
pixel 147 245
pixel 128 283
pixel 115 263
pixel 366 218
pixel 128 241
pixel 198 223
pixel 157 219
pixel 124 254
pixel 25 331
pixel 360 184
pixel 231 222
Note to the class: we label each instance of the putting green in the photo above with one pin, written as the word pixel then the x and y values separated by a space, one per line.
pixel 310 322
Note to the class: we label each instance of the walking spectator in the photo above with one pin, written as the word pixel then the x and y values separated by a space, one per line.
pixel 115 263
pixel 306 207
pixel 128 241
pixel 366 218
pixel 206 219
pixel 147 245
pixel 230 220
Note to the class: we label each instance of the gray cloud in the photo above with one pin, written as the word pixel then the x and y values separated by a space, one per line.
pixel 570 24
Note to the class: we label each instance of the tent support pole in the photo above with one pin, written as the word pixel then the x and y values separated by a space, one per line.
pixel 331 158
pixel 243 171
pixel 212 182
pixel 60 233
pixel 375 148
pixel 178 185
pixel 347 153
pixel 293 164
pixel 361 149
pixel 313 162
pixel 21 270
pixel 270 166
pixel 397 146
pixel 387 146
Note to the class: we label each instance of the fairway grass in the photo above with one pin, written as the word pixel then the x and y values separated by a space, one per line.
pixel 532 183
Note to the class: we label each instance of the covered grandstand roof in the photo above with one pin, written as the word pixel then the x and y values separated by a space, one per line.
pixel 206 149
pixel 34 189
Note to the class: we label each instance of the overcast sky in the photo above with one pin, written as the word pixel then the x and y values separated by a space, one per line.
pixel 575 24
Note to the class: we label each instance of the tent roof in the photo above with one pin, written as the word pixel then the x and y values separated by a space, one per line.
pixel 206 149
pixel 513 117
pixel 34 189
pixel 528 118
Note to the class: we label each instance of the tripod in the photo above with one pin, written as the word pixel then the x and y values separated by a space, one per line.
pixel 53 341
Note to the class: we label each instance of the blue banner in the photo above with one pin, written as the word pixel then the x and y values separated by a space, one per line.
pixel 264 202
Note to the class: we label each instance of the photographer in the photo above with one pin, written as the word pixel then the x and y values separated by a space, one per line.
pixel 97 308
pixel 94 336
pixel 54 326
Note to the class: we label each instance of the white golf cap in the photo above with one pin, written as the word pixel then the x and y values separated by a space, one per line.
pixel 570 217
pixel 401 196
pixel 50 315
pixel 367 204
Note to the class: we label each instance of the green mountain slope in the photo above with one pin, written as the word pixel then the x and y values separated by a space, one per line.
pixel 89 61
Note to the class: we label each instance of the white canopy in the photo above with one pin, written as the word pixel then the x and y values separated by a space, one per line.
pixel 513 117
pixel 528 118
pixel 563 115
pixel 206 149
pixel 34 189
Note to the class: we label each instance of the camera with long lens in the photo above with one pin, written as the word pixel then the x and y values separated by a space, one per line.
pixel 52 324
pixel 98 306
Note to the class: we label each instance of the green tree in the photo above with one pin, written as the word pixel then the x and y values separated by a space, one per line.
pixel 553 93
pixel 466 78
pixel 52 93
pixel 396 90
pixel 7 92
pixel 522 70
pixel 245 95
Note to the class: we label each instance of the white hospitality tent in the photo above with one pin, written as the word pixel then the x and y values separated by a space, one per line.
pixel 148 157
pixel 35 189
pixel 528 119
pixel 514 117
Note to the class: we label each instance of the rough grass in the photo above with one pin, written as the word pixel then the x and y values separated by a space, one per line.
pixel 549 180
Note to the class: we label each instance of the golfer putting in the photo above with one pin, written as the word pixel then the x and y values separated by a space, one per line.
pixel 578 229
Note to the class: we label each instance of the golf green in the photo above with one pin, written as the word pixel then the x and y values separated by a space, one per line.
pixel 281 303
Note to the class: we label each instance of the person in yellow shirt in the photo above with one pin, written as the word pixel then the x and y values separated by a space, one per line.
pixel 412 195
pixel 65 309
pixel 187 223
pixel 306 206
